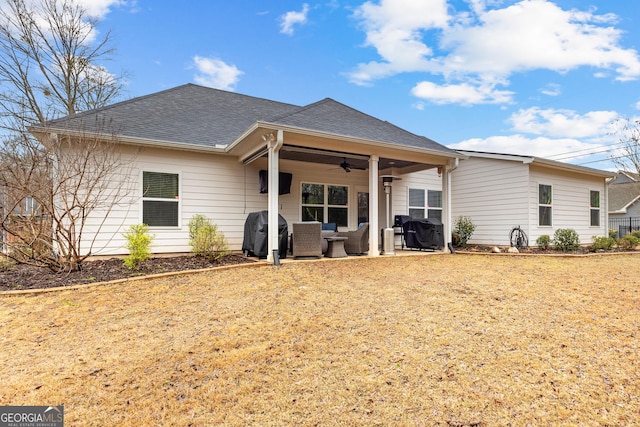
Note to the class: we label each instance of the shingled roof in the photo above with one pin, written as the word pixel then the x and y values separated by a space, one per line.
pixel 206 117
pixel 621 196
pixel 187 114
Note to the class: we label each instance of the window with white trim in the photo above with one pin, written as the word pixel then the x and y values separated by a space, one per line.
pixel 29 206
pixel 325 203
pixel 423 202
pixel 160 199
pixel 594 208
pixel 545 199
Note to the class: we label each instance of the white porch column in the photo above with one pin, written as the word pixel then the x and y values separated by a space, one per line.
pixel 446 192
pixel 273 145
pixel 374 230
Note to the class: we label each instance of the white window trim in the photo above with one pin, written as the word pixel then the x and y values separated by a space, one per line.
pixel 591 208
pixel 542 204
pixel 157 199
pixel 326 205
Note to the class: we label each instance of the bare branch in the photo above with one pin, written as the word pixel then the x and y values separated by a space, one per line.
pixel 627 157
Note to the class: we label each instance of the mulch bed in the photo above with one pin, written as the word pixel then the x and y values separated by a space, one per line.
pixel 21 277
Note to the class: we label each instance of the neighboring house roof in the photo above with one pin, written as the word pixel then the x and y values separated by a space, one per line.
pixel 621 196
pixel 192 115
pixel 623 177
pixel 539 161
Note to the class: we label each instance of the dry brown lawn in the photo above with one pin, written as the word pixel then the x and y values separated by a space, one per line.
pixel 439 340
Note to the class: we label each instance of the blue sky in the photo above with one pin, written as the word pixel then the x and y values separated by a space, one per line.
pixel 535 77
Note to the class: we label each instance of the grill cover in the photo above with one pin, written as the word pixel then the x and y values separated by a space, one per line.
pixel 426 233
pixel 256 231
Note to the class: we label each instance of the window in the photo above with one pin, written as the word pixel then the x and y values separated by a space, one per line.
pixel 27 207
pixel 594 205
pixel 325 203
pixel 544 205
pixel 419 204
pixel 434 199
pixel 160 199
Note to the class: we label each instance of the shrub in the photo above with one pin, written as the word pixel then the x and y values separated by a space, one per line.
pixel 6 263
pixel 601 243
pixel 543 241
pixel 205 239
pixel 138 243
pixel 628 242
pixel 464 228
pixel 613 234
pixel 566 239
pixel 635 234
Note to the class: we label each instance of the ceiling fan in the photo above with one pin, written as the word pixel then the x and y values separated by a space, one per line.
pixel 345 165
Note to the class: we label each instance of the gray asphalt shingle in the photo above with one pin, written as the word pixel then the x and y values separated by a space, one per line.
pixel 198 115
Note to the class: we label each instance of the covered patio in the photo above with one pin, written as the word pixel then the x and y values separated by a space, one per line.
pixel 383 162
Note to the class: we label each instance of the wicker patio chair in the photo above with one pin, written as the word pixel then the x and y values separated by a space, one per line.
pixel 307 239
pixel 357 240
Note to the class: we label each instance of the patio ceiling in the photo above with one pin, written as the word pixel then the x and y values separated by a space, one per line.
pixel 355 161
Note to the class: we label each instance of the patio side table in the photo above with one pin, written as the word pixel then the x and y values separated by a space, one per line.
pixel 335 248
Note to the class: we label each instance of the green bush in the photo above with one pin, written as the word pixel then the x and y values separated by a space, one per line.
pixel 601 243
pixel 543 241
pixel 205 239
pixel 463 230
pixel 613 234
pixel 566 240
pixel 635 234
pixel 138 243
pixel 628 242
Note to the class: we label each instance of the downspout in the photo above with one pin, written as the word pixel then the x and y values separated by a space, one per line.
pixel 448 228
pixel 273 145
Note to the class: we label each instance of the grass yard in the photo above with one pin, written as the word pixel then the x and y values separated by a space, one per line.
pixel 439 340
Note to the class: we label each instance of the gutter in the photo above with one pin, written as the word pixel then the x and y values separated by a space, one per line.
pixel 130 140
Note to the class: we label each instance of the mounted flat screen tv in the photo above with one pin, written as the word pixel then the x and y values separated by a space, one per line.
pixel 284 181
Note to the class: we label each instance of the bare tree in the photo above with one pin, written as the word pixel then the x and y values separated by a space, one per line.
pixel 51 66
pixel 50 62
pixel 627 156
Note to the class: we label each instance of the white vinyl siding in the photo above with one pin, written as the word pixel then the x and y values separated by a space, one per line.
pixel 493 193
pixel 571 202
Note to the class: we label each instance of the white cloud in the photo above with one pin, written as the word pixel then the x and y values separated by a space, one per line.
pixel 464 93
pixel 563 123
pixel 100 8
pixel 216 73
pixel 290 19
pixel 551 89
pixel 522 145
pixel 488 43
pixel 537 34
pixel 394 28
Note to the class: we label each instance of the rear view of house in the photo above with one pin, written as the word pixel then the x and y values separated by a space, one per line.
pixel 196 150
